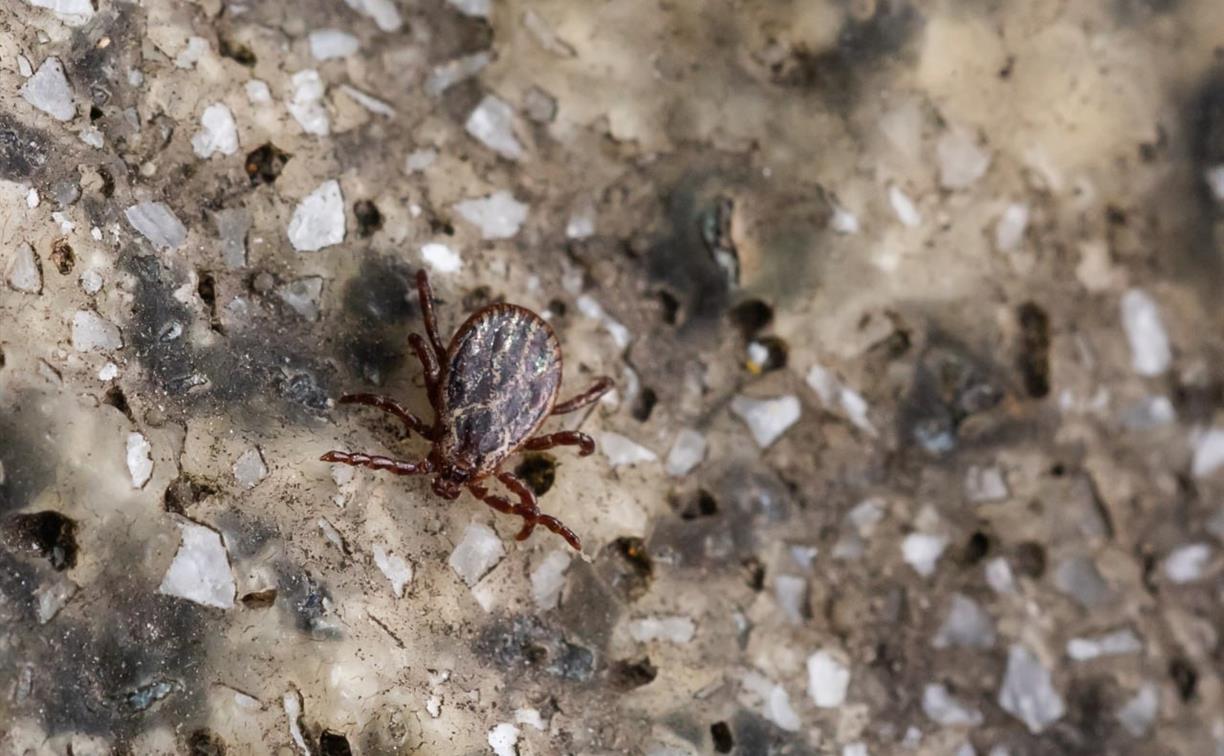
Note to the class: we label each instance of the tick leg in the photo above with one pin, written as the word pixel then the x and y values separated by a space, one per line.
pixel 425 294
pixel 391 407
pixel 600 387
pixel 529 510
pixel 397 466
pixel 585 444
pixel 433 373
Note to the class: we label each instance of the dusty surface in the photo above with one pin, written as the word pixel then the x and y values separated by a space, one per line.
pixel 968 256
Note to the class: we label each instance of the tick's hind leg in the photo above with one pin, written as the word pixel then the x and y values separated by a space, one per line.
pixel 526 508
pixel 585 444
pixel 391 407
pixel 597 389
pixel 397 466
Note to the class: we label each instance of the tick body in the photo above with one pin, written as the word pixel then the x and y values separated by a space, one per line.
pixel 491 389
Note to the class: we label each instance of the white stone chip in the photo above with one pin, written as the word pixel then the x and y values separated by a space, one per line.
pixel 450 73
pixel 622 451
pixel 218 132
pixel 548 578
pixel 441 258
pixel 591 308
pixel 306 104
pixel 93 333
pixel 292 701
pixel 326 44
pixel 257 92
pixel 922 550
pixel 790 591
pixel 250 468
pixel 961 160
pixel 503 739
pixel 543 33
pixel 999 576
pixel 672 629
pixel 302 295
pixel 419 160
pixel 139 459
pixel 233 224
pixel 318 220
pixel 1149 344
pixel 32 198
pixel 200 571
pixel 843 221
pixel 157 223
pixel 688 450
pixel 966 626
pixel 828 680
pixel 476 8
pixel 943 708
pixel 1110 644
pixel 498 216
pixel 1139 713
pixel 48 91
pixel 397 570
pixel 477 552
pixel 71 12
pixel 192 53
pixel 384 13
pixel 53 597
pixel 91 281
pixel 108 372
pixel 1009 231
pixel 1028 693
pixel 1186 563
pixel 772 699
pixel 531 718
pixel 838 397
pixel 24 272
pixel 767 419
pixel 24 66
pixel 904 207
pixel 1208 452
pixel 492 124
pixel 368 101
pixel 581 222
pixel 985 484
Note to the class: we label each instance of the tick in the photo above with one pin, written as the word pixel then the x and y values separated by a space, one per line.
pixel 491 389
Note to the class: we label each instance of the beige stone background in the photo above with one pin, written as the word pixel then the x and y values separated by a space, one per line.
pixel 968 254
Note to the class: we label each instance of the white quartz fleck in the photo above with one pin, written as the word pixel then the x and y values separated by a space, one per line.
pixel 71 12
pixel 828 680
pixel 1028 693
pixel 384 13
pixel 767 419
pixel 292 701
pixel 326 44
pixel 581 222
pixel 24 272
pixel 591 308
pixel 999 576
pixel 772 700
pixel 1110 644
pixel 498 216
pixel 542 31
pixel 397 570
pixel 24 66
pixel 332 535
pixel 93 333
pixel 531 718
pixel 1139 713
pixel 477 552
pixel 1208 452
pixel 1078 577
pixel 368 101
pixel 200 571
pixel 503 739
pixel 622 451
pixel 672 629
pixel 32 198
pixel 943 708
pixel 218 132
pixel 985 484
pixel 108 372
pixel 318 220
pixel 1186 563
pixel 48 91
pixel 139 459
pixel 904 207
pixel 52 597
pixel 790 591
pixel 1009 231
pixel 843 221
pixel 192 53
pixel 448 74
pixel 548 578
pixel 838 397
pixel 441 258
pixel 922 550
pixel 1149 344
pixel 477 8
pixel 91 281
pixel 257 92
pixel 157 223
pixel 419 160
pixel 967 626
pixel 961 160
pixel 688 450
pixel 306 104
pixel 250 468
pixel 302 295
pixel 492 124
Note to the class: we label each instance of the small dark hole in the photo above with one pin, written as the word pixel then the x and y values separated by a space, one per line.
pixel 1115 215
pixel 721 734
pixel 1 357
pixel 627 675
pixel 557 308
pixel 264 164
pixel 185 491
pixel 62 256
pixel 538 471
pixel 669 305
pixel 1185 677
pixel 205 743
pixel 95 112
pixel 766 354
pixel 751 316
pixel 207 289
pixel 632 569
pixel 49 535
pixel 691 507
pixel 976 549
pixel 259 599
pixel 236 51
pixel 1058 470
pixel 115 397
pixel 334 744
pixel 754 573
pixel 535 654
pixel 369 219
pixel 441 227
pixel 644 404
pixel 1034 357
pixel 481 296
pixel 1031 559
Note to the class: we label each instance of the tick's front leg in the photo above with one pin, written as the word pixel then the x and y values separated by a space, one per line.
pixel 585 444
pixel 397 466
pixel 391 407
pixel 433 373
pixel 425 295
pixel 601 386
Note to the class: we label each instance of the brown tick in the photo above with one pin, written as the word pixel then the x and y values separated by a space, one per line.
pixel 490 390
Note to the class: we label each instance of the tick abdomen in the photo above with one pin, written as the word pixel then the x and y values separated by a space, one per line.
pixel 502 378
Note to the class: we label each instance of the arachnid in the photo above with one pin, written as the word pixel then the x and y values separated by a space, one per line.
pixel 490 390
